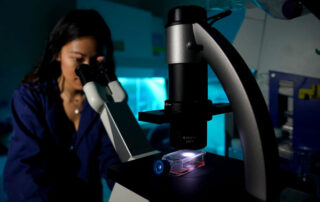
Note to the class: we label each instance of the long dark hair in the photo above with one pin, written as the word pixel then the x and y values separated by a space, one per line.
pixel 75 24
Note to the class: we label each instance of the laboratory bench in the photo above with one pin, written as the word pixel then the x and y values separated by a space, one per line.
pixel 221 179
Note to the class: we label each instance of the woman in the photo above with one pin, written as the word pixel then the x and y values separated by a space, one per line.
pixel 59 148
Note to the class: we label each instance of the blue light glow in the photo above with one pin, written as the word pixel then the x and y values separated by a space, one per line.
pixel 216 126
pixel 145 94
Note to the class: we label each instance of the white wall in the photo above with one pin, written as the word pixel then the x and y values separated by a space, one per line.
pixel 249 38
pixel 288 46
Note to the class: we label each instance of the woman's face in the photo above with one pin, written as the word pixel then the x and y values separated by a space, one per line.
pixel 74 53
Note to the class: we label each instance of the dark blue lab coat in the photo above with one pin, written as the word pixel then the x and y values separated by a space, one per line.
pixel 47 159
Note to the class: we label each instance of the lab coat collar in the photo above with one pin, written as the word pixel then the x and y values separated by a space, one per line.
pixel 59 118
pixel 87 121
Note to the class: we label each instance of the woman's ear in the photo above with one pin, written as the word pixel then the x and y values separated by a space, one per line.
pixel 58 58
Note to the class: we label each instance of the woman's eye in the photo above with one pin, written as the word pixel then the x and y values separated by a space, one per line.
pixel 79 60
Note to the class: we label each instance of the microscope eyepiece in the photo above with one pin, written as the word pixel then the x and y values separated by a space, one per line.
pixel 85 73
pixel 96 71
pixel 186 14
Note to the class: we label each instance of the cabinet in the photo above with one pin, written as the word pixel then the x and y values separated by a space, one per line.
pixel 294 103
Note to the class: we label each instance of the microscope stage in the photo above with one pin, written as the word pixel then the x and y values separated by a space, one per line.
pixel 221 179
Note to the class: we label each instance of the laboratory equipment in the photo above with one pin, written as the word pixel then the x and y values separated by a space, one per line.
pixel 107 97
pixel 192 44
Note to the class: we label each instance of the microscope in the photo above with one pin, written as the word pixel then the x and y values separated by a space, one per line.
pixel 192 44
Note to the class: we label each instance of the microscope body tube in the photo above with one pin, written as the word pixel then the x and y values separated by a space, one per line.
pixel 188 90
pixel 188 95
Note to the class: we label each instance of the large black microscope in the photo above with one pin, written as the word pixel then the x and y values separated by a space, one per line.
pixel 192 44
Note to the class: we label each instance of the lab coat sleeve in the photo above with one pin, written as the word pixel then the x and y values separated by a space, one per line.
pixel 107 157
pixel 24 169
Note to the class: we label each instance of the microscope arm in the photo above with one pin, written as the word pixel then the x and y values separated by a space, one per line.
pixel 249 108
pixel 117 92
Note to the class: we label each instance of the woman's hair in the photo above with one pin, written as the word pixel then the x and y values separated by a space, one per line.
pixel 75 24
